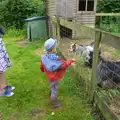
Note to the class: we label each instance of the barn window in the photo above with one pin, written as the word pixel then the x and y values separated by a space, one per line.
pixel 90 5
pixel 86 5
pixel 82 5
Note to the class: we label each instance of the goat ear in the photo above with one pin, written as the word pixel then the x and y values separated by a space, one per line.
pixel 92 44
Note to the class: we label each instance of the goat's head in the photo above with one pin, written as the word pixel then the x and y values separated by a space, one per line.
pixel 73 47
pixel 85 51
pixel 81 49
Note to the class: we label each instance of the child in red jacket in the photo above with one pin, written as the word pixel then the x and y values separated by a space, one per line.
pixel 54 68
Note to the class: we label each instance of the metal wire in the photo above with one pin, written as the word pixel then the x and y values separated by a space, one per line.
pixel 66 36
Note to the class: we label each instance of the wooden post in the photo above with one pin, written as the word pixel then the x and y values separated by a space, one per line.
pixel 53 29
pixel 95 5
pixel 46 12
pixel 98 35
pixel 86 5
pixel 100 20
pixel 58 29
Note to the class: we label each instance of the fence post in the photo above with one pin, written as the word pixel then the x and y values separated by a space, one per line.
pixel 98 35
pixel 53 29
pixel 58 29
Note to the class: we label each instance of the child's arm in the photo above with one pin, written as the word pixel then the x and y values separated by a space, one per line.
pixel 41 66
pixel 66 63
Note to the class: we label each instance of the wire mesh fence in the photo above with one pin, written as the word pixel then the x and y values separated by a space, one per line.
pixel 108 71
pixel 98 65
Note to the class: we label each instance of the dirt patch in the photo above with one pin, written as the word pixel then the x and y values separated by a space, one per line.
pixel 22 43
pixel 14 116
pixel 38 52
pixel 37 111
pixel 115 106
pixel 1 116
pixel 107 51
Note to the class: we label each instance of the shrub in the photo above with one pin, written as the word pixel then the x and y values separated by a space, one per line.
pixel 13 12
pixel 108 6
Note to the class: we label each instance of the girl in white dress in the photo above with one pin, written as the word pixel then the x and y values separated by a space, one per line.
pixel 4 64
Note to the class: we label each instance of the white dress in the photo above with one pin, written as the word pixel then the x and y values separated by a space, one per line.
pixel 4 58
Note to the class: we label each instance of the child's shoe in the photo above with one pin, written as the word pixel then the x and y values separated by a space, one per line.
pixel 7 88
pixel 6 94
pixel 55 103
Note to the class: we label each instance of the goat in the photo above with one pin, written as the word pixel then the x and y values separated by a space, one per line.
pixel 108 72
pixel 84 50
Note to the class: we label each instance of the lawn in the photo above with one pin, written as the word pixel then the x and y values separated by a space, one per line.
pixel 31 98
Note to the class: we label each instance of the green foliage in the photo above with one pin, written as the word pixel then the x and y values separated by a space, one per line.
pixel 112 23
pixel 13 12
pixel 31 98
pixel 111 27
pixel 13 32
pixel 108 6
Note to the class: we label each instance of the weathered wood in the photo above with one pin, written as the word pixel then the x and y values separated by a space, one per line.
pixel 58 30
pixel 95 59
pixel 67 24
pixel 69 10
pixel 46 11
pixel 111 40
pixel 86 12
pixel 100 103
pixel 104 108
pixel 107 14
pixel 86 5
pixel 95 5
pixel 107 38
pixel 54 30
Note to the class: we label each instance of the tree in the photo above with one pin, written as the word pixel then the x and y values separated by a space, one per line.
pixel 13 12
pixel 108 6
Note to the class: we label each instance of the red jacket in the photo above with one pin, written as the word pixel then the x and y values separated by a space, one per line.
pixel 59 73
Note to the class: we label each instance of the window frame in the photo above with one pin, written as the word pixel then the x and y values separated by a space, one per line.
pixel 86 5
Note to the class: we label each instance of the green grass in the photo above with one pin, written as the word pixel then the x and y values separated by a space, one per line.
pixel 32 89
pixel 117 54
pixel 113 28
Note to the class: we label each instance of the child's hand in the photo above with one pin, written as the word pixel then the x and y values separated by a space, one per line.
pixel 73 59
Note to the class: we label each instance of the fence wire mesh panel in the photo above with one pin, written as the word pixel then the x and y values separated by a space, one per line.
pixel 81 42
pixel 75 43
pixel 108 71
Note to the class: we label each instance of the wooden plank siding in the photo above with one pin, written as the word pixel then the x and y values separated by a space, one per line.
pixel 101 37
pixel 69 10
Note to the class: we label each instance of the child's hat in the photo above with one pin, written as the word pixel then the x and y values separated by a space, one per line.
pixel 49 44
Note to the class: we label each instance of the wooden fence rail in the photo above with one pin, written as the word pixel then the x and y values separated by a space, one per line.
pixel 107 14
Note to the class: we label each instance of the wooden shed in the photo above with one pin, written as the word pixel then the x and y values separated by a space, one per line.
pixel 77 11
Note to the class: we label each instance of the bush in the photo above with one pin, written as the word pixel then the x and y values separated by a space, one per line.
pixel 109 23
pixel 13 12
pixel 13 32
pixel 108 6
